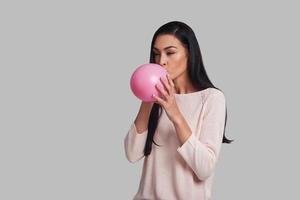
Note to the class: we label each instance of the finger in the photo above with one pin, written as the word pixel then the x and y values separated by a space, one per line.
pixel 166 85
pixel 170 80
pixel 161 90
pixel 158 99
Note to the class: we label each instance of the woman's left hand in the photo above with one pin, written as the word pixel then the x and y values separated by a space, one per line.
pixel 168 101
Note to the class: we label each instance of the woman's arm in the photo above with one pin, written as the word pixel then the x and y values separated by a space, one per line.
pixel 135 139
pixel 142 118
pixel 202 153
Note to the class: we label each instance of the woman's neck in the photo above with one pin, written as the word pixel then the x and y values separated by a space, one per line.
pixel 183 85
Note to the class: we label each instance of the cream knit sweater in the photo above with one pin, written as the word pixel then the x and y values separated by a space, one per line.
pixel 181 172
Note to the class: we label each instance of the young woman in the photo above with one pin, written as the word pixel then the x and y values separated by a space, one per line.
pixel 180 134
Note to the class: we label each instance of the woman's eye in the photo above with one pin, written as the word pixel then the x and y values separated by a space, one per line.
pixel 157 54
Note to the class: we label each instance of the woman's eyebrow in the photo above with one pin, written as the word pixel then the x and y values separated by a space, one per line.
pixel 165 47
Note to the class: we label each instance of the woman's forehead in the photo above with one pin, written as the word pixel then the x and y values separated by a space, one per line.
pixel 163 42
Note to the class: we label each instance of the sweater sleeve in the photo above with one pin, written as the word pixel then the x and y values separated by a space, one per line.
pixel 202 153
pixel 134 144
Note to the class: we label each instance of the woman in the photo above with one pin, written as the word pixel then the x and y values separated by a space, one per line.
pixel 180 134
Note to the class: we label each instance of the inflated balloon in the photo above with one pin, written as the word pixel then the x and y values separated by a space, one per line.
pixel 144 79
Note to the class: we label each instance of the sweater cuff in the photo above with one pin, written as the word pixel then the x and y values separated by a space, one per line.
pixel 188 146
pixel 137 139
pixel 134 144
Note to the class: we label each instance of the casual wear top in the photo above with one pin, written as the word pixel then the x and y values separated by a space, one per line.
pixel 181 172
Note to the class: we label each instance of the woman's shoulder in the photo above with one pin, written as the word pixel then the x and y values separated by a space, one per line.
pixel 214 93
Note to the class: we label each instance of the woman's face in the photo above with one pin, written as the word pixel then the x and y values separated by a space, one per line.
pixel 171 54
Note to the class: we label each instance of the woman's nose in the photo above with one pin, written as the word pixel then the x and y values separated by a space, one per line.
pixel 162 61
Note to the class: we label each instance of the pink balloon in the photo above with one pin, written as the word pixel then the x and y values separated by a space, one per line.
pixel 144 79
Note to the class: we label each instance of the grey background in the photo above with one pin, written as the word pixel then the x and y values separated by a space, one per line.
pixel 66 105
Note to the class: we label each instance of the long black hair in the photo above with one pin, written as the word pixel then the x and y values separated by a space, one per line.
pixel 196 72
